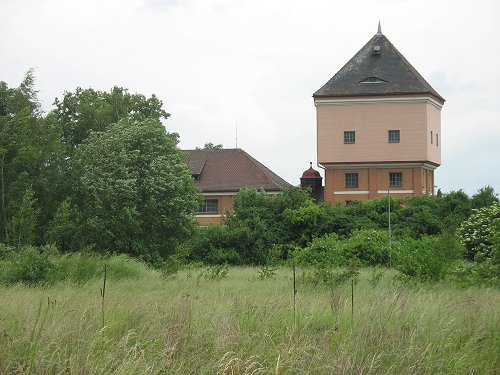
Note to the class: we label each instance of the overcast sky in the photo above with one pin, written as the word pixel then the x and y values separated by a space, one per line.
pixel 256 63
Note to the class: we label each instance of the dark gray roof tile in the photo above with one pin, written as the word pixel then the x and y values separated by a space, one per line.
pixel 384 73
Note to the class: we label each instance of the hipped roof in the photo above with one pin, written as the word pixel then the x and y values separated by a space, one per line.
pixel 384 73
pixel 230 170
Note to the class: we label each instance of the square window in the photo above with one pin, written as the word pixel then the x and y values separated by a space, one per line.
pixel 396 179
pixel 393 136
pixel 209 206
pixel 350 136
pixel 351 180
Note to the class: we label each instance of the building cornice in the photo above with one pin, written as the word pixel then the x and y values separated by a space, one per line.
pixel 326 101
pixel 351 192
pixel 231 193
pixel 385 165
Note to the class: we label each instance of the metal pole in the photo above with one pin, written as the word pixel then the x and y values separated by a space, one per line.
pixel 389 204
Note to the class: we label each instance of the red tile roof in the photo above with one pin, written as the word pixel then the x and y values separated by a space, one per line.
pixel 310 173
pixel 229 170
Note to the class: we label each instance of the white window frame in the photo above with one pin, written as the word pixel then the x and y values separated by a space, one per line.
pixel 209 206
pixel 351 180
pixel 393 136
pixel 395 179
pixel 349 137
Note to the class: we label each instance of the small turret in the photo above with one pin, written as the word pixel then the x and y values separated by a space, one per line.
pixel 312 178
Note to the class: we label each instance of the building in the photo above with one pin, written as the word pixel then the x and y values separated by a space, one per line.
pixel 378 127
pixel 221 174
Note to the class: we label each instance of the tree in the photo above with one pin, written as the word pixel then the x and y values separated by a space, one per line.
pixel 134 191
pixel 88 110
pixel 24 223
pixel 30 155
pixel 211 146
pixel 259 221
pixel 63 228
pixel 485 197
pixel 454 207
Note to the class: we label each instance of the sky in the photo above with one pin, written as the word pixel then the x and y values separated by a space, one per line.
pixel 245 70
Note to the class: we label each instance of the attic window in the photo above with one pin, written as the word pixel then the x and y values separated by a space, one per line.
pixel 376 50
pixel 372 80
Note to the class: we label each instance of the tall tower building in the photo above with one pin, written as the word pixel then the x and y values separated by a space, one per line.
pixel 378 127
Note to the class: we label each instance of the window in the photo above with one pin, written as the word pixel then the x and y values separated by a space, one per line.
pixel 209 206
pixel 437 139
pixel 395 179
pixel 350 136
pixel 351 180
pixel 431 137
pixel 393 136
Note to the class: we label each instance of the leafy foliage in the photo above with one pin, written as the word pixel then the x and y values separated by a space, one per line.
pixel 88 110
pixel 485 197
pixel 430 258
pixel 30 265
pixel 133 181
pixel 480 232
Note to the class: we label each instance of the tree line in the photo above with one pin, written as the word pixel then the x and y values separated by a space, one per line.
pixel 100 174
pixel 97 171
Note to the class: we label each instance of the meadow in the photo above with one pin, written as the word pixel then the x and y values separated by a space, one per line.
pixel 200 322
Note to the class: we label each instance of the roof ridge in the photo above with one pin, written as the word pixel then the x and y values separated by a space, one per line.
pixel 414 71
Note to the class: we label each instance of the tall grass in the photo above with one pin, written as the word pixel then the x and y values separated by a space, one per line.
pixel 243 323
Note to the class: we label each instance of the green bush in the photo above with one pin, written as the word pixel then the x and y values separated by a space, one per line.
pixel 224 256
pixel 5 251
pixel 34 266
pixel 424 259
pixel 369 246
pixel 325 251
pixel 205 241
pixel 478 233
pixel 31 265
pixel 216 272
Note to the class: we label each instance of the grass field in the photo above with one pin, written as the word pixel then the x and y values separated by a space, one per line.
pixel 241 324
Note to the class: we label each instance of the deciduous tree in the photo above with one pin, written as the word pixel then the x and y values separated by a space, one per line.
pixel 135 192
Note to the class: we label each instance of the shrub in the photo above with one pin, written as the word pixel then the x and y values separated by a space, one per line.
pixel 478 233
pixel 5 251
pixel 216 272
pixel 423 259
pixel 325 250
pixel 224 256
pixel 41 265
pixel 205 241
pixel 369 246
pixel 31 265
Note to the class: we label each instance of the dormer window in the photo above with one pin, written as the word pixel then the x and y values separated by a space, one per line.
pixel 370 80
